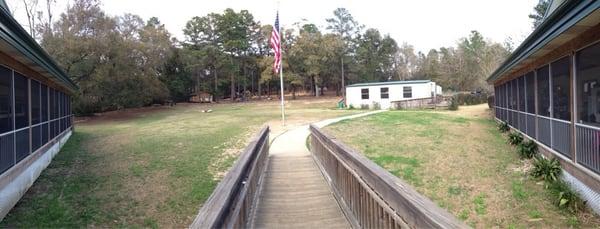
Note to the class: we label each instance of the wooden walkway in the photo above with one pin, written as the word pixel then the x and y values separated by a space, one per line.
pixel 295 193
pixel 284 185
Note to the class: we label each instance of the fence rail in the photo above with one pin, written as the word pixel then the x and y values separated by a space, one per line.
pixel 232 202
pixel 561 137
pixel 370 196
pixel 440 101
pixel 588 147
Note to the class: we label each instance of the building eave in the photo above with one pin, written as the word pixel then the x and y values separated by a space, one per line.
pixel 559 21
pixel 16 37
pixel 389 83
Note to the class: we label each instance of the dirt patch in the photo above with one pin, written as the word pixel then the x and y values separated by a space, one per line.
pixel 233 148
pixel 121 115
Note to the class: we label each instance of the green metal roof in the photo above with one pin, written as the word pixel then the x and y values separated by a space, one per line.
pixel 389 83
pixel 560 20
pixel 3 4
pixel 13 34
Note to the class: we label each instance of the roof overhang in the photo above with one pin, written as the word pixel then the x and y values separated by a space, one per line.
pixel 567 22
pixel 17 43
pixel 387 83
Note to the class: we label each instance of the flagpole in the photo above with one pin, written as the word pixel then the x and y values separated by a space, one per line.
pixel 281 76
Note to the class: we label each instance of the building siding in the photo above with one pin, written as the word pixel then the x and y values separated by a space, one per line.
pixel 396 92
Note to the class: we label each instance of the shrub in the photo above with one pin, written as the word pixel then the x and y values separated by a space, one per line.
pixel 375 106
pixel 351 107
pixel 548 170
pixel 527 149
pixel 471 98
pixel 565 197
pixel 364 106
pixel 503 127
pixel 515 138
pixel 453 104
pixel 491 101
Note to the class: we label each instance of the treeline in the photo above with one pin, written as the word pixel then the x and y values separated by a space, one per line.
pixel 124 61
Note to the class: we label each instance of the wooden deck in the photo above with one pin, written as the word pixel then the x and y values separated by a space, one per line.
pixel 295 195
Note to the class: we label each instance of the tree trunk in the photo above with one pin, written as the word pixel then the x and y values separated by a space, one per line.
pixel 232 78
pixel 294 92
pixel 252 87
pixel 343 80
pixel 216 85
pixel 269 90
pixel 259 91
pixel 312 86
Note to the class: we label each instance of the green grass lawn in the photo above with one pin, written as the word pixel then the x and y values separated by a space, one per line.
pixel 462 163
pixel 153 168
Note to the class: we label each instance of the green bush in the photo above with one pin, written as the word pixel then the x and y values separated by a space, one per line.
pixel 548 170
pixel 515 138
pixel 471 98
pixel 503 127
pixel 351 107
pixel 565 197
pixel 491 101
pixel 453 104
pixel 375 106
pixel 527 149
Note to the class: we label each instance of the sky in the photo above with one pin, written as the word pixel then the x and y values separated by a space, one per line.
pixel 425 24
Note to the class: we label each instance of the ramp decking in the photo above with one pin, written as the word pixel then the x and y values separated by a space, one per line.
pixel 295 193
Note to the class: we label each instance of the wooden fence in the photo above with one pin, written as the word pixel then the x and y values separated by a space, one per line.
pixel 429 103
pixel 370 196
pixel 233 201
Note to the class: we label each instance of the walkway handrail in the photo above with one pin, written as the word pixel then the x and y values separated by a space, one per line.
pixel 369 195
pixel 233 201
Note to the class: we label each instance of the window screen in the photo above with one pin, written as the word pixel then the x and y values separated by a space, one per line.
pixel 6 114
pixel 588 85
pixel 530 92
pixel 521 87
pixel 7 152
pixel 36 116
pixel 52 103
pixel 543 91
pixel 44 103
pixel 22 144
pixel 364 93
pixel 21 101
pixel 561 104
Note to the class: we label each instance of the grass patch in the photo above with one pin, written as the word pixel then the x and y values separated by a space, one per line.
pixel 518 191
pixel 480 205
pixel 462 162
pixel 149 169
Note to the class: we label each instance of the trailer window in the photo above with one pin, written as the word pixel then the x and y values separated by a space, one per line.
pixel 364 93
pixel 384 93
pixel 407 92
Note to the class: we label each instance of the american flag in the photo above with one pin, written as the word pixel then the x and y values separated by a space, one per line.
pixel 275 45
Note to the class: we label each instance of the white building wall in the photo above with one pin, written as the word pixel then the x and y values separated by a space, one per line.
pixel 396 93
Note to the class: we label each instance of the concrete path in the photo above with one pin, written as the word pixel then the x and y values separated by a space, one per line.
pixel 295 194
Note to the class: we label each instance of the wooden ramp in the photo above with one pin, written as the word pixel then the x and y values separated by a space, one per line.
pixel 295 195
pixel 281 186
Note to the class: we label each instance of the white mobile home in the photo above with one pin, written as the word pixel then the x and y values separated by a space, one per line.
pixel 384 93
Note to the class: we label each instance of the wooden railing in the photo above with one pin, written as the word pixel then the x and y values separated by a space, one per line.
pixel 370 196
pixel 440 101
pixel 233 201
